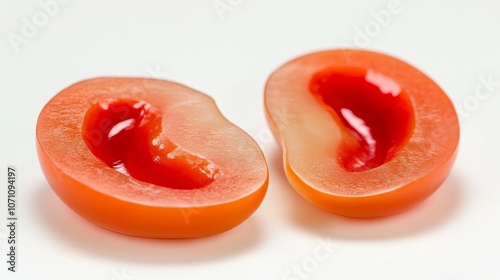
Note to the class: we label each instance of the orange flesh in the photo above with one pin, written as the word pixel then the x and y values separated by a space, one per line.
pixel 128 136
pixel 98 143
pixel 363 134
pixel 372 107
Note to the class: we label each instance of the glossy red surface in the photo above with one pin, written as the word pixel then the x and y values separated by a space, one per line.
pixel 128 136
pixel 374 110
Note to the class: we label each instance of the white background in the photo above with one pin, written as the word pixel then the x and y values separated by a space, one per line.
pixel 228 54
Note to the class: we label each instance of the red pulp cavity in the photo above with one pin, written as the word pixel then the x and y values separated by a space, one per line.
pixel 128 136
pixel 374 110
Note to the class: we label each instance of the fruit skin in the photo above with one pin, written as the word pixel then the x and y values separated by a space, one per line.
pixel 123 204
pixel 309 137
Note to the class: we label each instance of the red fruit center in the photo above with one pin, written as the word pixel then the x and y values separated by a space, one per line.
pixel 374 110
pixel 128 136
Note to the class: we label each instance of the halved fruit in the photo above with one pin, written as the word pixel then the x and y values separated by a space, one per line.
pixel 149 158
pixel 363 134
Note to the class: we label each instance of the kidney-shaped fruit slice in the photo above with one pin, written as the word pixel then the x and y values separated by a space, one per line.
pixel 149 158
pixel 363 134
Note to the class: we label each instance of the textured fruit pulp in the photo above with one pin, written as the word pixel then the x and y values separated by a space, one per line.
pixel 128 136
pixel 374 110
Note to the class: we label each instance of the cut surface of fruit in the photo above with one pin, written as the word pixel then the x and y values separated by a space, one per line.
pixel 371 107
pixel 132 142
pixel 149 158
pixel 363 134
